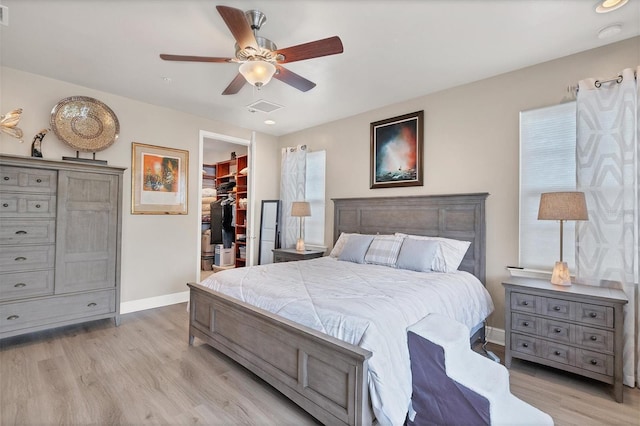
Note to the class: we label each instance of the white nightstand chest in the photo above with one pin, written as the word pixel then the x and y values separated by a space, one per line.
pixel 576 329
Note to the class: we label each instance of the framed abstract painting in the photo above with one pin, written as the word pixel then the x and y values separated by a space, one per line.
pixel 396 151
pixel 159 179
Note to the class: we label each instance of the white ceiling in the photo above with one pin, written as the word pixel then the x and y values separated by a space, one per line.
pixel 393 50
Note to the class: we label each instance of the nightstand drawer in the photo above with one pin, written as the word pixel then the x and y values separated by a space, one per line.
pixel 557 308
pixel 525 344
pixel 594 314
pixel 594 338
pixel 559 353
pixel 523 302
pixel 595 361
pixel 557 330
pixel 524 323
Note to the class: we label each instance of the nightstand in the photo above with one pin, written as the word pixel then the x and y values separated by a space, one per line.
pixel 576 328
pixel 290 255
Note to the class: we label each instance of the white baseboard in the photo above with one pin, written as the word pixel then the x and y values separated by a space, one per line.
pixel 495 335
pixel 154 302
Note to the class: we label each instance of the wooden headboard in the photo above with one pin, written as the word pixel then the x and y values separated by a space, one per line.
pixel 456 216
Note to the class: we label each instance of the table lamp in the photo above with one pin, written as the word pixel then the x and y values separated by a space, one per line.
pixel 300 209
pixel 562 206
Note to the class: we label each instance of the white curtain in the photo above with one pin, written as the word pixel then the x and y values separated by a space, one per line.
pixel 292 184
pixel 607 171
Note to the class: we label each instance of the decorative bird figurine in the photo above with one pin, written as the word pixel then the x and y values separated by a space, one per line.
pixel 9 121
pixel 36 145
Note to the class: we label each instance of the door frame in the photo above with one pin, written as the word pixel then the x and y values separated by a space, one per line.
pixel 249 143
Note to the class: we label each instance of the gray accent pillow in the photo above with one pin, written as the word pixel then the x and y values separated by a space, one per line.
pixel 356 248
pixel 417 255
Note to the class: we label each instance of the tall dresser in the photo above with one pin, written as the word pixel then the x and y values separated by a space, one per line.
pixel 60 237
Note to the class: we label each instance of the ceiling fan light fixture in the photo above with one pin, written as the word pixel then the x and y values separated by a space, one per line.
pixel 257 73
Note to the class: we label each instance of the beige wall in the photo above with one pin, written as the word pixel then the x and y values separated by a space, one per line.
pixel 158 252
pixel 471 144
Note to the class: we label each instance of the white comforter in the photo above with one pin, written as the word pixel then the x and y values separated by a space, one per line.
pixel 367 305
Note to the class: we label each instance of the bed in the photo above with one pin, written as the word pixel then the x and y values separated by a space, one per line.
pixel 326 376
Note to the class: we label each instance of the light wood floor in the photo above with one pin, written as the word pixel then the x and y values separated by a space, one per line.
pixel 144 372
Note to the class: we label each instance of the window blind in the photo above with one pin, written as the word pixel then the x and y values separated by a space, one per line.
pixel 315 196
pixel 547 164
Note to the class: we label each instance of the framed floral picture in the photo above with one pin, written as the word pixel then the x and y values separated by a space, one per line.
pixel 159 179
pixel 396 151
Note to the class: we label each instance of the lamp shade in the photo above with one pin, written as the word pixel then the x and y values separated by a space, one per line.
pixel 563 206
pixel 257 73
pixel 300 209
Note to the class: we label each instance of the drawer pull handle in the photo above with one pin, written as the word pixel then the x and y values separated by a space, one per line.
pixel 92 304
pixel 525 303
pixel 38 206
pixel 13 317
pixel 594 362
pixel 525 345
pixel 526 323
pixel 557 353
pixel 6 178
pixel 593 314
pixel 20 259
pixel 39 180
pixel 21 232
pixel 556 308
pixel 557 330
pixel 594 338
pixel 5 204
pixel 19 285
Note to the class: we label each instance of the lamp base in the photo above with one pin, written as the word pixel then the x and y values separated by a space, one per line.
pixel 300 245
pixel 560 274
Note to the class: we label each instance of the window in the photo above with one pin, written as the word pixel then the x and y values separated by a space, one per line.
pixel 314 194
pixel 547 164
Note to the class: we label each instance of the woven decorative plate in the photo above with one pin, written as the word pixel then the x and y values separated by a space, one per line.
pixel 85 124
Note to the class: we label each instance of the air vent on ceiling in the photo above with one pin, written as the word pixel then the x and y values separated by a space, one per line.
pixel 4 15
pixel 263 106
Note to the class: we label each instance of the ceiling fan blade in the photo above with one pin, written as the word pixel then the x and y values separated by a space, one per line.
pixel 193 58
pixel 313 49
pixel 239 26
pixel 236 84
pixel 293 79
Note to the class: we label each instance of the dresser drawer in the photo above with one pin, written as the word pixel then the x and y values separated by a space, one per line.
pixel 557 330
pixel 558 352
pixel 595 361
pixel 17 231
pixel 18 315
pixel 595 315
pixel 523 302
pixel 557 308
pixel 28 180
pixel 26 258
pixel 27 205
pixel 525 344
pixel 524 323
pixel 26 284
pixel 593 338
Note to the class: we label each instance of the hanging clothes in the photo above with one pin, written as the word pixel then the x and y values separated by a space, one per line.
pixel 228 222
pixel 216 222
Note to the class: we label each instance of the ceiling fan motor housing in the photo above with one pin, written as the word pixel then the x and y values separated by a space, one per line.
pixel 255 18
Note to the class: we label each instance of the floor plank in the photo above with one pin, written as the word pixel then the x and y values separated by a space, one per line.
pixel 144 372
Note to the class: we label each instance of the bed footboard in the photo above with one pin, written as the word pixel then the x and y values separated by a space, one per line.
pixel 325 376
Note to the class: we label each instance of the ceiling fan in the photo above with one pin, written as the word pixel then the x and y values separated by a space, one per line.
pixel 259 58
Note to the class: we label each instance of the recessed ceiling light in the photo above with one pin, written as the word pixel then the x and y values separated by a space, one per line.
pixel 269 122
pixel 605 6
pixel 610 31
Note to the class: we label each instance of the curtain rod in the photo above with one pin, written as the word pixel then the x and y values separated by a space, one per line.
pixel 598 83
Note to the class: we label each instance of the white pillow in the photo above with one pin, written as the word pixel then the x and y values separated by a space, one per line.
pixel 356 248
pixel 384 250
pixel 339 245
pixel 450 254
pixel 417 255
